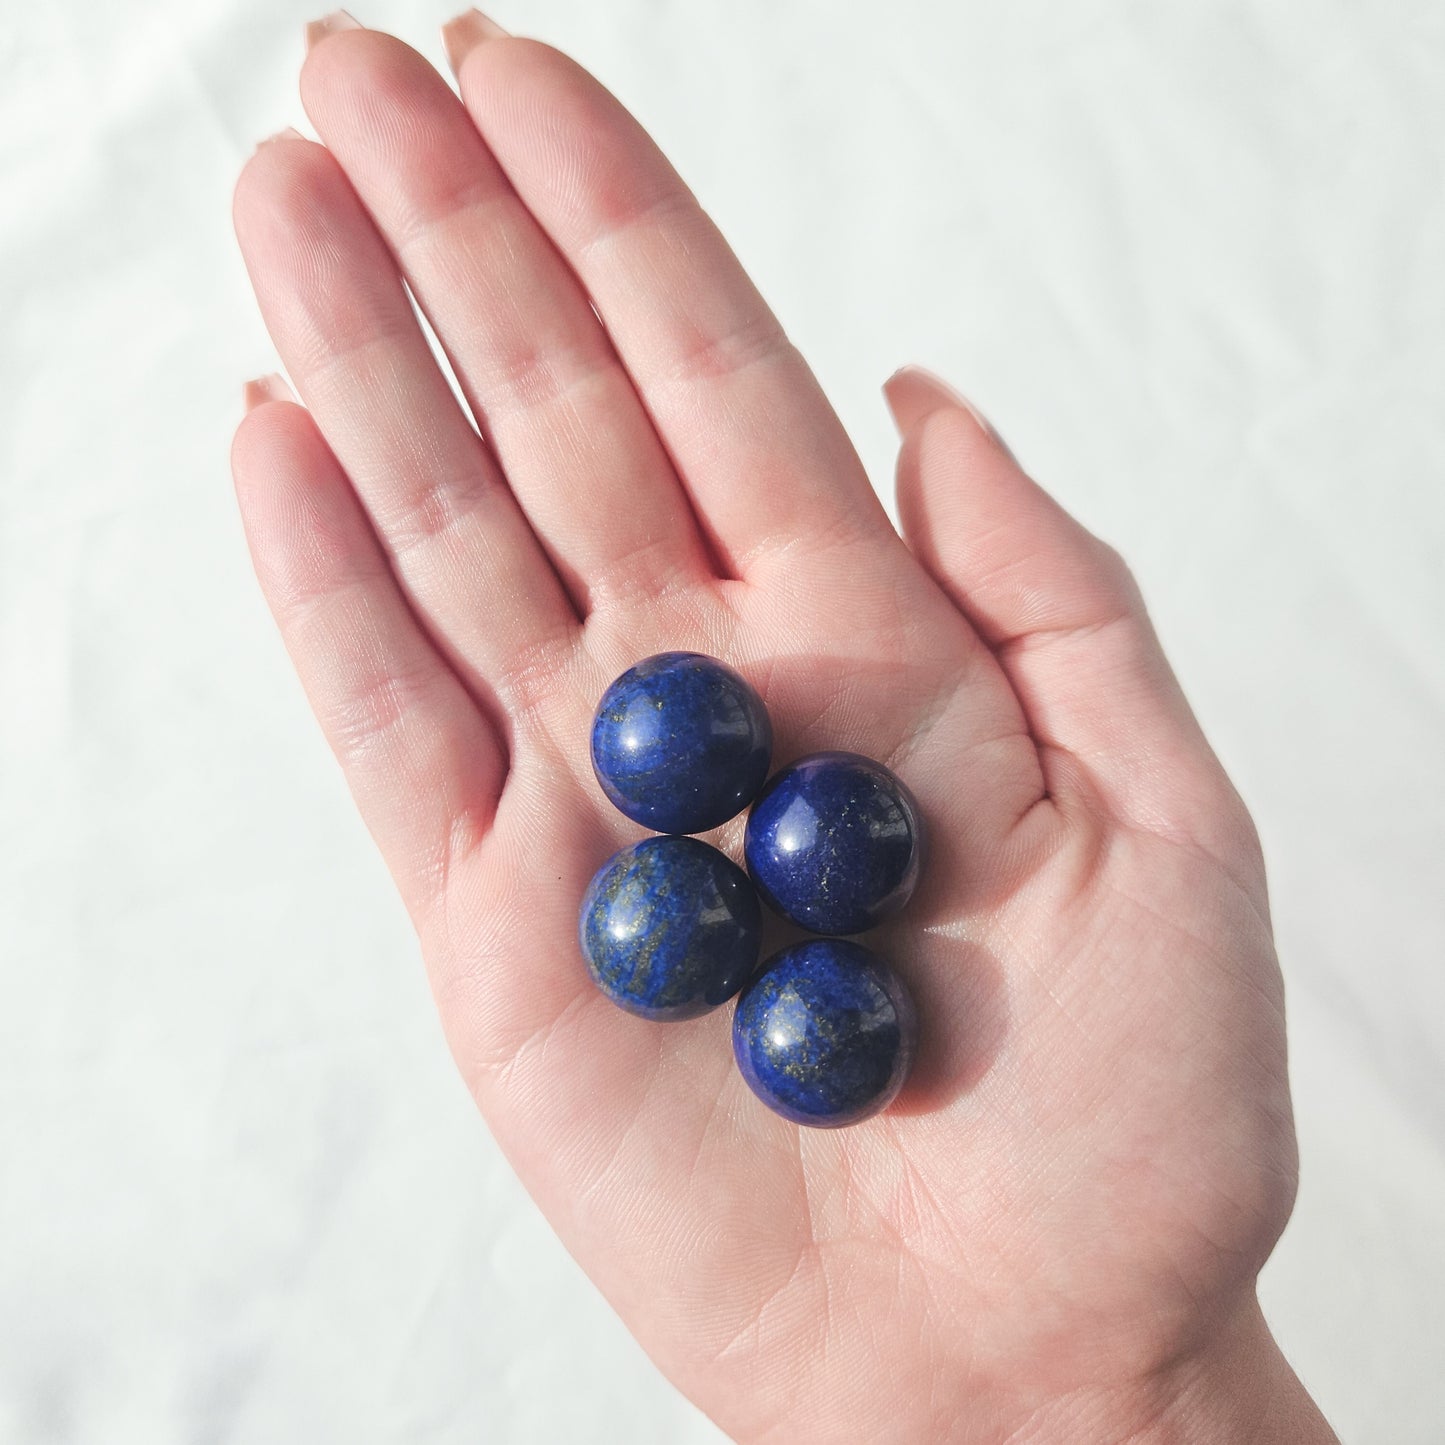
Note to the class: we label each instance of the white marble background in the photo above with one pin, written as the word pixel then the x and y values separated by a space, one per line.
pixel 1188 256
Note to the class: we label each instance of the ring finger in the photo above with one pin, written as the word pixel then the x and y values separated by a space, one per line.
pixel 344 327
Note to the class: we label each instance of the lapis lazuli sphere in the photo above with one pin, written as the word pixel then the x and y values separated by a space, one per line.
pixel 825 1033
pixel 681 743
pixel 835 843
pixel 670 928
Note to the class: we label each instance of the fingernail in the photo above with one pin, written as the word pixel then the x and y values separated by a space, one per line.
pixel 271 387
pixel 318 30
pixel 462 36
pixel 914 392
pixel 290 133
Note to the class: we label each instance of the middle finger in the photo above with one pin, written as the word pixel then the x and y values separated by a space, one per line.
pixel 530 354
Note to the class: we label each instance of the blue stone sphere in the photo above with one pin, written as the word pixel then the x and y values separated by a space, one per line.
pixel 670 928
pixel 825 1033
pixel 681 743
pixel 835 843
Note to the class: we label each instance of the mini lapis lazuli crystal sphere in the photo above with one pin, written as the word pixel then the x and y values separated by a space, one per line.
pixel 834 843
pixel 681 743
pixel 825 1033
pixel 670 928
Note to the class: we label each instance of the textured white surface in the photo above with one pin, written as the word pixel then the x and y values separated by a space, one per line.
pixel 1187 257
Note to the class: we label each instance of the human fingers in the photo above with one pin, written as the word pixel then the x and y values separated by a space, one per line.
pixel 1062 614
pixel 423 761
pixel 534 361
pixel 340 317
pixel 769 468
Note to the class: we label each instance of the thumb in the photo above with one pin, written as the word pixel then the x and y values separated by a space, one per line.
pixel 1063 615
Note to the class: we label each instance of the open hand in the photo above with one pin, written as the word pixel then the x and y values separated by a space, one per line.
pixel 1055 1231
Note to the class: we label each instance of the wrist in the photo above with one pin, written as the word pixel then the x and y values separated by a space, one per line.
pixel 1237 1388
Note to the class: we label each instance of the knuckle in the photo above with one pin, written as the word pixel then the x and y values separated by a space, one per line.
pixel 429 509
pixel 371 710
pixel 533 676
pixel 1116 573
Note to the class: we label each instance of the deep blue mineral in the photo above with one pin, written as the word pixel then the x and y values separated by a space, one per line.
pixel 825 1033
pixel 835 843
pixel 681 743
pixel 670 928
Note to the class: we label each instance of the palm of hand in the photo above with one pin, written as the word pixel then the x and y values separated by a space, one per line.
pixel 1095 1153
pixel 1096 1138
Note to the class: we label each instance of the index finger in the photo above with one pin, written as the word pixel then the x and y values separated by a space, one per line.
pixel 765 459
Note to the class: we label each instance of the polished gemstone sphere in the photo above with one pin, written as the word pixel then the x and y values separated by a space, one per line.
pixel 670 928
pixel 835 843
pixel 681 743
pixel 825 1033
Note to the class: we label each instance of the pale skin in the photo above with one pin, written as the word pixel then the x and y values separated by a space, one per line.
pixel 1054 1233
